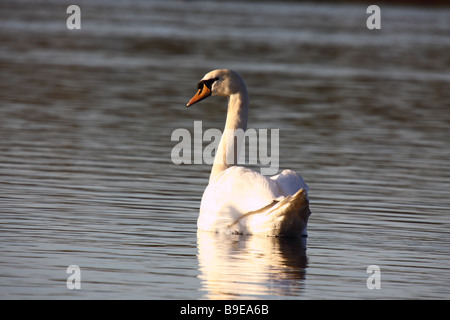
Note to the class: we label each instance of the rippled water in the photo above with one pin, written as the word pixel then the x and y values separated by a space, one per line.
pixel 86 177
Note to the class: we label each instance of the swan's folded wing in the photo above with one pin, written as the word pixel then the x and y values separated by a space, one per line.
pixel 290 182
pixel 287 217
pixel 241 188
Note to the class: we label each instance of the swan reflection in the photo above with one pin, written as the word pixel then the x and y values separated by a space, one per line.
pixel 245 267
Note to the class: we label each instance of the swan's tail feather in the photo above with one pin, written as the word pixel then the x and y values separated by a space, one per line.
pixel 291 217
pixel 287 217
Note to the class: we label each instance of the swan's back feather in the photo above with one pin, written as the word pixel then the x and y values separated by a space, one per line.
pixel 240 187
pixel 241 200
pixel 290 182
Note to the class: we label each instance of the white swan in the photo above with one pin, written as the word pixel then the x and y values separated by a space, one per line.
pixel 239 200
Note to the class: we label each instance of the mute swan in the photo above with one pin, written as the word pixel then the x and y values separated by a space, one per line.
pixel 239 200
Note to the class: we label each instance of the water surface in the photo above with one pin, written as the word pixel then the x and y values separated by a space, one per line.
pixel 86 177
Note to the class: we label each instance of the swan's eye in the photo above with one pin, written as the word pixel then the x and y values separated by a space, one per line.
pixel 208 83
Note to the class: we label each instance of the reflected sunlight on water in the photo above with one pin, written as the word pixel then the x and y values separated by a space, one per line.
pixel 244 266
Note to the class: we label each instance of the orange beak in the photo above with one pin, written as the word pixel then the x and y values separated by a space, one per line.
pixel 201 94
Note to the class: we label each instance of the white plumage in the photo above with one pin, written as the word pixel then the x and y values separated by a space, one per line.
pixel 238 199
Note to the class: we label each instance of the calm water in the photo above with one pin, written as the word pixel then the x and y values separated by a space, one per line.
pixel 86 177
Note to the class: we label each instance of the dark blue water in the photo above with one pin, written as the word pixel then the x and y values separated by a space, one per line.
pixel 86 176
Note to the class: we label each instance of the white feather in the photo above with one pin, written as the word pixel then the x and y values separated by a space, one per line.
pixel 241 200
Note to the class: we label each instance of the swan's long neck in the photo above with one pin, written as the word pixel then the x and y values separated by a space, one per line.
pixel 228 150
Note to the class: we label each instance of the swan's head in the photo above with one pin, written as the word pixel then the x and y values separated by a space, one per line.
pixel 221 82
